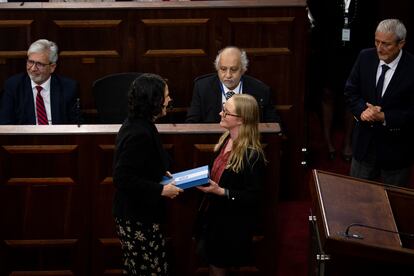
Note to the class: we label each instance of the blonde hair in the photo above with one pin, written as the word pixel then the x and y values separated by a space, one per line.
pixel 248 140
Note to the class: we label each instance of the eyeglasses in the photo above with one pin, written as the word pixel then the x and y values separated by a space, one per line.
pixel 386 45
pixel 226 113
pixel 232 70
pixel 37 64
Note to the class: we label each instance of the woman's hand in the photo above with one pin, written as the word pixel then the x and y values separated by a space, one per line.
pixel 170 190
pixel 213 188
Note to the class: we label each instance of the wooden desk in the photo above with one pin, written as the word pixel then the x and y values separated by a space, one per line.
pixel 56 198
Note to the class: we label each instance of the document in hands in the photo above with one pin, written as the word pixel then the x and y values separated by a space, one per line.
pixel 189 178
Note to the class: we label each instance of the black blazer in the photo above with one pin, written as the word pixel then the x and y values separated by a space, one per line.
pixel 206 102
pixel 17 106
pixel 139 164
pixel 231 221
pixel 392 141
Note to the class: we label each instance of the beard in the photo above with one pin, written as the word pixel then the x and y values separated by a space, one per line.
pixel 230 84
pixel 39 79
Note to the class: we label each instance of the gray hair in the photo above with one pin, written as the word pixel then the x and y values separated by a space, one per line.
pixel 394 26
pixel 44 45
pixel 243 57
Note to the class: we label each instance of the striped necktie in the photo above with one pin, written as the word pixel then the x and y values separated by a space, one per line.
pixel 229 94
pixel 40 108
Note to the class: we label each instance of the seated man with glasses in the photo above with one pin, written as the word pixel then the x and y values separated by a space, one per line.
pixel 38 96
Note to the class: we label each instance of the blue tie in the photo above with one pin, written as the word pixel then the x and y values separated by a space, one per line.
pixel 380 83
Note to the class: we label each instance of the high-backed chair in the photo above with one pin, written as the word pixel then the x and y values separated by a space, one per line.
pixel 111 96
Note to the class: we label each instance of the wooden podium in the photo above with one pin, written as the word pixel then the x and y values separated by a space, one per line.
pixel 342 203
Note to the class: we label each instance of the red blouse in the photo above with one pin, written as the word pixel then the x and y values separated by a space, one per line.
pixel 219 165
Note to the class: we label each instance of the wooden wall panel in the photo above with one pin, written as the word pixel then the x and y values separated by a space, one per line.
pixel 169 37
pixel 105 246
pixel 92 46
pixel 102 41
pixel 173 47
pixel 18 34
pixel 41 207
pixel 25 256
pixel 259 42
pixel 13 49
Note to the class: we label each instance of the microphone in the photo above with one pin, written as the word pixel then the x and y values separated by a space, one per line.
pixel 78 116
pixel 170 107
pixel 358 236
pixel 261 107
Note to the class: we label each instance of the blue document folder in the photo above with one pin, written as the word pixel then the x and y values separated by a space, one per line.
pixel 189 178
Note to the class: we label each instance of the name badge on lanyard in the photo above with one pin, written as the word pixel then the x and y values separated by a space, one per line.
pixel 346 31
pixel 346 34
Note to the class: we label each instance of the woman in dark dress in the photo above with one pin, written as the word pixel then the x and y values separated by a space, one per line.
pixel 235 187
pixel 139 165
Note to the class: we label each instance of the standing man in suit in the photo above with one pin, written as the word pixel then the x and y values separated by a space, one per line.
pixel 39 96
pixel 380 94
pixel 212 90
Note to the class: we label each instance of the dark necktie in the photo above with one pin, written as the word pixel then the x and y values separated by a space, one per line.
pixel 40 108
pixel 380 83
pixel 229 94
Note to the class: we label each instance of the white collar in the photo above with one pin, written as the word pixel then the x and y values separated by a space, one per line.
pixel 236 90
pixel 45 85
pixel 393 64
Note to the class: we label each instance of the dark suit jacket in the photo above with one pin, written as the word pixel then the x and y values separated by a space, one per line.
pixel 206 103
pixel 231 221
pixel 139 164
pixel 17 106
pixel 393 142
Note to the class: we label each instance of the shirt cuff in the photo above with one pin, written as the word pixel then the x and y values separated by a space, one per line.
pixel 226 193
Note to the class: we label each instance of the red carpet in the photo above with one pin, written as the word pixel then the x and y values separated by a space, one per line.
pixel 293 227
pixel 293 242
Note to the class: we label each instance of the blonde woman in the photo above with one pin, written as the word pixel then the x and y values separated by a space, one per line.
pixel 235 187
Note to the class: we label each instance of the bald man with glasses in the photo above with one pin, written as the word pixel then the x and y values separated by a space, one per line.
pixel 39 96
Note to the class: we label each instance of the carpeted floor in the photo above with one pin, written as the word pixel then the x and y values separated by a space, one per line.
pixel 293 227
pixel 293 234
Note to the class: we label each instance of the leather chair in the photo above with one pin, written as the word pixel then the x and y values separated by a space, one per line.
pixel 111 97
